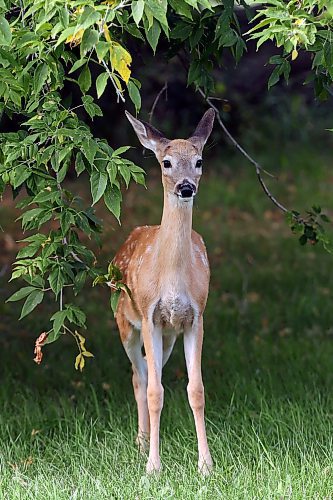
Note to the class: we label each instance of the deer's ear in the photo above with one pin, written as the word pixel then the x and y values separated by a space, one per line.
pixel 148 135
pixel 204 128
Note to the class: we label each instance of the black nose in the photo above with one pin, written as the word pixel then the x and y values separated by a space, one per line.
pixel 186 190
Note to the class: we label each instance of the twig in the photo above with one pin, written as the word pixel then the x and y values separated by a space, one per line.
pixel 271 197
pixel 61 300
pixel 257 166
pixel 119 94
pixel 152 110
pixel 157 98
pixel 232 139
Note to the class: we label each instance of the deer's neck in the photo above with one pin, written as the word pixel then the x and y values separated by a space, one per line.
pixel 174 239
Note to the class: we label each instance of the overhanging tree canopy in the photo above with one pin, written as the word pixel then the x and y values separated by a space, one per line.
pixel 46 43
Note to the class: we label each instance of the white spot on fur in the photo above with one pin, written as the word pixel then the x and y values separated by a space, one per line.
pixel 139 262
pixel 202 255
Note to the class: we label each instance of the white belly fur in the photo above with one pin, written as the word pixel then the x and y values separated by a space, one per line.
pixel 174 310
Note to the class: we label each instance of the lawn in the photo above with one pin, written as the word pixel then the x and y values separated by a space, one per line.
pixel 267 360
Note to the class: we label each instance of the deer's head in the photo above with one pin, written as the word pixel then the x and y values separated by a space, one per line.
pixel 180 159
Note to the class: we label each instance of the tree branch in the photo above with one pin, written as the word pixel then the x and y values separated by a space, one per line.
pixel 257 165
pixel 231 138
pixel 157 98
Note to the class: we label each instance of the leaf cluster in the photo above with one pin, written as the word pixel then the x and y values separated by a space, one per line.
pixel 295 26
pixel 311 228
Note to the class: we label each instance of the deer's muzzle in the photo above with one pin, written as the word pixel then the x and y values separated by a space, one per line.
pixel 185 189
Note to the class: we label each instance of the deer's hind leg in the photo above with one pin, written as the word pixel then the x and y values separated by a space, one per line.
pixel 132 343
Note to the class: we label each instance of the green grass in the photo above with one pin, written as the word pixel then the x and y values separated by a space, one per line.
pixel 267 363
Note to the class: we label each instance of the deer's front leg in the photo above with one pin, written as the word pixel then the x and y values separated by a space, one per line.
pixel 152 338
pixel 193 338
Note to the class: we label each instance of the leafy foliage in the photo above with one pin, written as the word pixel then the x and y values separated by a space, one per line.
pixel 44 45
pixel 310 229
pixel 294 26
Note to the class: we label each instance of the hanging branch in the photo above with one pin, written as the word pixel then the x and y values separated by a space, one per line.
pixel 157 98
pixel 257 165
pixel 232 139
pixel 309 228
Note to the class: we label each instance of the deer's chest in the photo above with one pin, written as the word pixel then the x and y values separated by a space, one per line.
pixel 175 309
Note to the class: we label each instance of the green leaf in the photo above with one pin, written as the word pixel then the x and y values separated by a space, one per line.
pixel 90 148
pixel 79 281
pixel 182 31
pixel 114 300
pixel 79 164
pixel 208 4
pixel 303 239
pixel 56 279
pixel 40 77
pixel 30 215
pixel 30 250
pixel 21 294
pixel 133 30
pixel 66 220
pixel 77 65
pixel 120 150
pixel 325 218
pixel 89 40
pixel 153 35
pixel 134 94
pixel 137 10
pixel 64 17
pixel 180 7
pixel 21 175
pixel 58 319
pixel 5 32
pixel 89 17
pixel 112 199
pixel 46 195
pixel 84 79
pixel 159 10
pixel 139 178
pixel 102 48
pixel 61 174
pixel 112 171
pixel 91 108
pixel 65 34
pixel 98 181
pixel 78 316
pixel 31 302
pixel 275 76
pixel 125 173
pixel 101 82
pixel 52 337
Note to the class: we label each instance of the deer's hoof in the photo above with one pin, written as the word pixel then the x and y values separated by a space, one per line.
pixel 142 442
pixel 205 466
pixel 153 466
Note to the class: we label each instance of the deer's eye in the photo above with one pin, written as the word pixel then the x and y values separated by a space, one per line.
pixel 198 164
pixel 167 164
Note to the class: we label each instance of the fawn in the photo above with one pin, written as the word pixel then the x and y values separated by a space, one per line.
pixel 167 271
